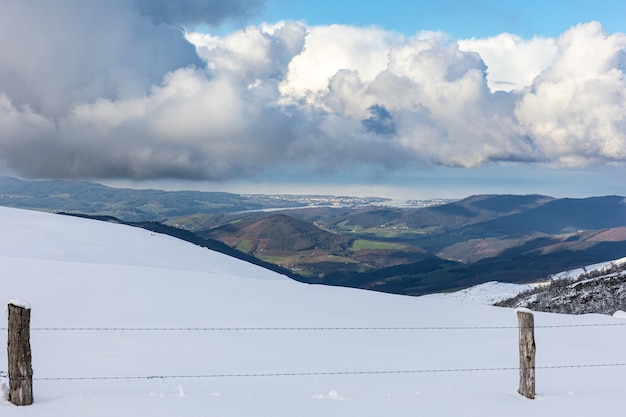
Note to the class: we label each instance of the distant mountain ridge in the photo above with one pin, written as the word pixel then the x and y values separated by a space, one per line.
pixel 453 245
pixel 143 205
pixel 506 238
pixel 566 215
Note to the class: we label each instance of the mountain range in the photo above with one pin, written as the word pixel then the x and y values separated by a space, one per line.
pixel 363 243
pixel 505 238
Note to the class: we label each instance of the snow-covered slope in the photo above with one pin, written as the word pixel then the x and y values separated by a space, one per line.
pixel 599 288
pixel 487 293
pixel 234 355
pixel 572 291
pixel 574 273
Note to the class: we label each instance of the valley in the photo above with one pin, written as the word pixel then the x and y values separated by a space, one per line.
pixel 415 248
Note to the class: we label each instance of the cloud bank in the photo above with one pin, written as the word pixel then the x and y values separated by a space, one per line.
pixel 116 89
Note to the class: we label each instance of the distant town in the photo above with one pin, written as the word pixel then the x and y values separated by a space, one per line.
pixel 300 201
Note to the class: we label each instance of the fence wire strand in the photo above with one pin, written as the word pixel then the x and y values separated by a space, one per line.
pixel 327 373
pixel 299 329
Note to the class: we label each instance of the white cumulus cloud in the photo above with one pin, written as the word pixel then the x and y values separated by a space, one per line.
pixel 512 62
pixel 576 109
pixel 113 89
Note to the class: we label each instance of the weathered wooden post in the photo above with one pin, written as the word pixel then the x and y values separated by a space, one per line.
pixel 526 324
pixel 20 362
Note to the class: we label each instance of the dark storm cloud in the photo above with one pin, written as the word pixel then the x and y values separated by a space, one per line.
pixel 58 54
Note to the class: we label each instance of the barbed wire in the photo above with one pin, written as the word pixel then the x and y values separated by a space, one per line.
pixel 250 329
pixel 322 373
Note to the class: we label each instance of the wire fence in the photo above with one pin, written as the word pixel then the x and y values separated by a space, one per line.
pixel 4 375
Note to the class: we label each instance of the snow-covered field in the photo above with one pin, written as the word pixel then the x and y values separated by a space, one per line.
pixel 244 326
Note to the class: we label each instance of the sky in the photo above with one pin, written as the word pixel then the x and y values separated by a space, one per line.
pixel 401 99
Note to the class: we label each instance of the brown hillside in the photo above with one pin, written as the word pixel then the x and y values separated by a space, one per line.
pixel 615 234
pixel 278 234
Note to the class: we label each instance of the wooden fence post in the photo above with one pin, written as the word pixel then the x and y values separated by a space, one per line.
pixel 20 362
pixel 526 324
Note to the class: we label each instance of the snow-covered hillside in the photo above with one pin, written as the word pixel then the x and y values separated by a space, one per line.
pixel 208 335
pixel 599 288
pixel 487 293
